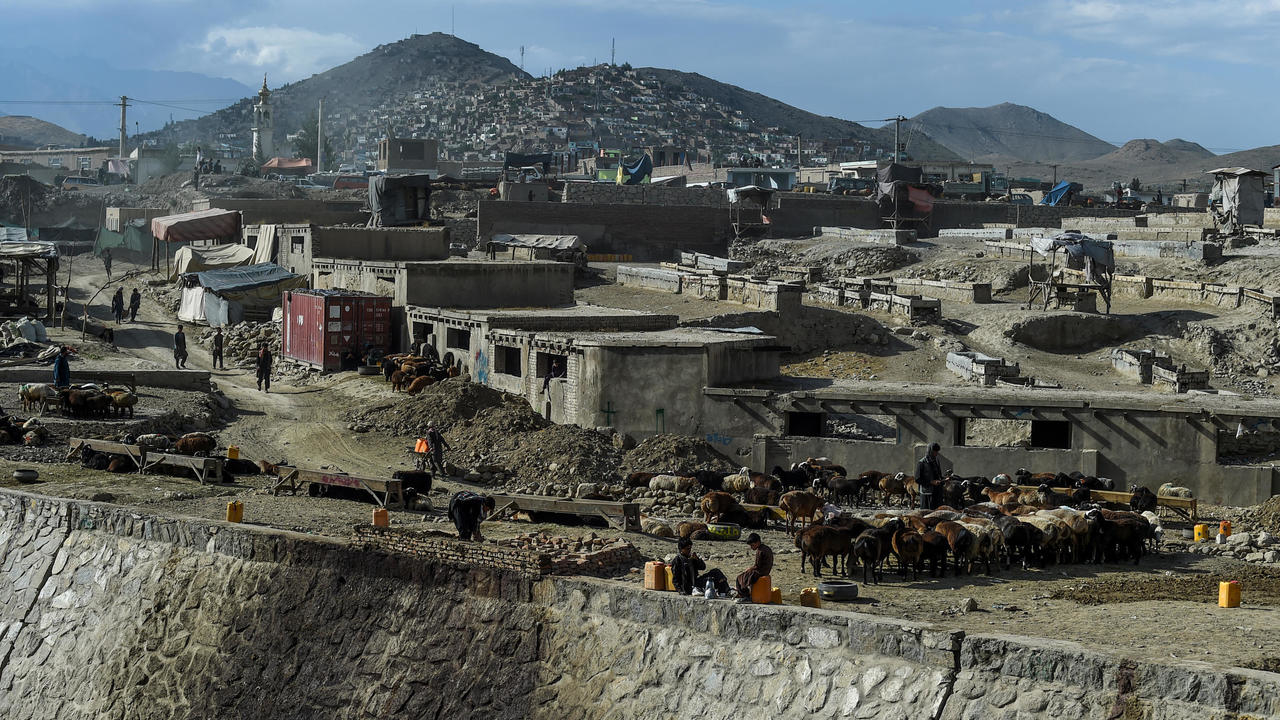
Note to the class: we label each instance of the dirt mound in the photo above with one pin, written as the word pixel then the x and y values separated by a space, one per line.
pixel 1263 584
pixel 1264 517
pixel 676 453
pixel 836 257
pixel 21 197
pixel 496 434
pixel 1070 332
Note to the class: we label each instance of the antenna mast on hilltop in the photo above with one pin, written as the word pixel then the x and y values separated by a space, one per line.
pixel 613 51
pixel 453 25
pixel 521 58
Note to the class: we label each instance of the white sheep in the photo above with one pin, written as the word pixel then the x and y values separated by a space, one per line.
pixel 676 483
pixel 1171 490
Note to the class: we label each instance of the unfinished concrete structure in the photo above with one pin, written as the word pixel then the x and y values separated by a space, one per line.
pixel 1151 367
pixel 295 245
pixel 256 211
pixel 451 283
pixel 1130 438
pixel 408 155
pixel 781 297
pixel 983 369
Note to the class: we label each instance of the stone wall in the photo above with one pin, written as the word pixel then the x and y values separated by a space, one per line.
pixel 607 194
pixel 113 613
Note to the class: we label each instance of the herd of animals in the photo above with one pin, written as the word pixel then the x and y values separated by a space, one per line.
pixel 411 373
pixel 978 521
pixel 83 401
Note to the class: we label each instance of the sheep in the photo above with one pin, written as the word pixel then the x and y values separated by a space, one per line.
pixel 963 544
pixel 1171 490
pixel 674 483
pixel 761 496
pixel 123 401
pixel 397 380
pixel 899 484
pixel 715 504
pixel 154 441
pixel 866 550
pixel 909 547
pixel 196 443
pixel 418 384
pixel 737 483
pixel 816 542
pixel 656 528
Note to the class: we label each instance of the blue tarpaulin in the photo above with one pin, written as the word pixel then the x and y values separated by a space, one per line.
pixel 226 296
pixel 240 278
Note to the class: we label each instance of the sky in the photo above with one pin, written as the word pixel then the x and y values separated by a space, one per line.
pixel 1115 68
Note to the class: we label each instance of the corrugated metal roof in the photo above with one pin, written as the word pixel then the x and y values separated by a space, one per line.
pixel 13 234
pixel 198 225
pixel 1234 171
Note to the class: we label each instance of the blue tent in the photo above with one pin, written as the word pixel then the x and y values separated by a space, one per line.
pixel 1061 191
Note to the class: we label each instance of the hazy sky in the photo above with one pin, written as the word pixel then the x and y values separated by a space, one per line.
pixel 1116 68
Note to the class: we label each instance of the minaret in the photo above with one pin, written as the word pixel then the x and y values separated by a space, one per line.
pixel 264 145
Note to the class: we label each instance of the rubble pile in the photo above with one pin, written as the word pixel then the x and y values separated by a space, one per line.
pixel 676 454
pixel 1255 547
pixel 1264 517
pixel 588 555
pixel 240 342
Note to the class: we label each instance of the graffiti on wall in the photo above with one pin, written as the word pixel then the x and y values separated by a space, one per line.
pixel 482 367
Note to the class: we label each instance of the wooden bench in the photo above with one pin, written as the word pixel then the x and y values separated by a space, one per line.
pixel 206 469
pixel 625 516
pixel 1182 507
pixel 136 453
pixel 292 478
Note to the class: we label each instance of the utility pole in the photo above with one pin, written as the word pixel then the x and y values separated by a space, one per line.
pixel 613 51
pixel 453 24
pixel 1055 174
pixel 521 58
pixel 897 135
pixel 124 103
pixel 320 137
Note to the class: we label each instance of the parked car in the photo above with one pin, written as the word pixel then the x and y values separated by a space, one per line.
pixel 350 182
pixel 76 183
pixel 457 249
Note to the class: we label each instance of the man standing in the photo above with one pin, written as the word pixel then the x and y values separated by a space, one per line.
pixel 438 445
pixel 217 350
pixel 135 303
pixel 263 364
pixel 106 261
pixel 467 510
pixel 928 475
pixel 180 349
pixel 117 305
pixel 62 369
pixel 762 566
pixel 687 571
pixel 557 371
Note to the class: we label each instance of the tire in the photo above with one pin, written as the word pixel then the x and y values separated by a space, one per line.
pixel 838 590
pixel 368 370
pixel 26 475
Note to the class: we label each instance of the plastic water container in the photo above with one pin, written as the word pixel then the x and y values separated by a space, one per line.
pixel 1202 533
pixel 775 596
pixel 655 575
pixel 809 597
pixel 762 591
pixel 1229 594
pixel 381 518
pixel 1224 527
pixel 671 580
pixel 233 452
pixel 235 511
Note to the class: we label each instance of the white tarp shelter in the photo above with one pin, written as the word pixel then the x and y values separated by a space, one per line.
pixel 1239 197
pixel 194 259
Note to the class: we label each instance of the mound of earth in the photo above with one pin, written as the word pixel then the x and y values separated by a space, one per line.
pixel 677 454
pixel 449 404
pixel 836 257
pixel 1264 517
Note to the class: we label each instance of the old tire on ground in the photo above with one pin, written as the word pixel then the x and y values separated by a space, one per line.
pixel 838 590
pixel 368 370
pixel 26 475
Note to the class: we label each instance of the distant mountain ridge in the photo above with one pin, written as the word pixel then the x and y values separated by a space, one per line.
pixel 26 131
pixel 1005 132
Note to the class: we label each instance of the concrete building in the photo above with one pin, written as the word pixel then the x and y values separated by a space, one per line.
pixel 774 178
pixel 408 155
pixel 264 123
pixel 453 283
pixel 296 244
pixel 71 161
pixel 1128 437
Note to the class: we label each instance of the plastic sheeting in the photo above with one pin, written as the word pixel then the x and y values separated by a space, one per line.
pixel 191 307
pixel 135 237
pixel 553 242
pixel 190 259
pixel 387 199
pixel 195 226
pixel 635 171
pixel 265 250
pixel 243 278
pixel 1243 195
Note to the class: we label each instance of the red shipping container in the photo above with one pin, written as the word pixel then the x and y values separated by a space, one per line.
pixel 319 325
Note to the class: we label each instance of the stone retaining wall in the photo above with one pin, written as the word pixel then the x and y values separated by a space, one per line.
pixel 945 290
pixel 114 613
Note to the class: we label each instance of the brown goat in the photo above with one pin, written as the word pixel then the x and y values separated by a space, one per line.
pixel 195 443
pixel 800 506
pixel 909 547
pixel 816 542
pixel 397 381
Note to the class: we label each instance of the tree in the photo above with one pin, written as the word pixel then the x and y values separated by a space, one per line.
pixel 304 145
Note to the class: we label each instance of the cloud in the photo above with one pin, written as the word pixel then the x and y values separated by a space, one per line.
pixel 286 53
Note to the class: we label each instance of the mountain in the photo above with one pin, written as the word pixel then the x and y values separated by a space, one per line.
pixel 1146 153
pixel 368 82
pixel 25 131
pixel 96 85
pixel 474 101
pixel 767 112
pixel 1008 133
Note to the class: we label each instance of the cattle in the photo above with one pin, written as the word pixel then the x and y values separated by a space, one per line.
pixel 715 504
pixel 892 486
pixel 196 443
pixel 799 506
pixel 33 394
pixel 819 541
